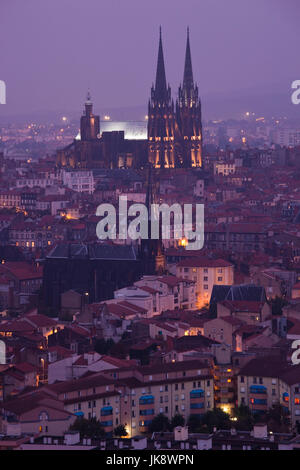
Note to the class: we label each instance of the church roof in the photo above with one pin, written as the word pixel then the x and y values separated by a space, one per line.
pixel 93 251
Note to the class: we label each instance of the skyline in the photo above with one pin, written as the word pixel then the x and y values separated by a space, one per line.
pixel 127 41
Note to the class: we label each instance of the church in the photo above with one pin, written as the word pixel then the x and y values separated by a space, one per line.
pixel 174 131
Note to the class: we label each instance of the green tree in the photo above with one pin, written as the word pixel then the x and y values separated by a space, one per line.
pixel 120 431
pixel 244 418
pixel 216 418
pixel 177 420
pixel 91 428
pixel 278 418
pixel 103 346
pixel 194 423
pixel 160 423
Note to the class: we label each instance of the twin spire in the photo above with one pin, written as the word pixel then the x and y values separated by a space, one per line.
pixel 160 82
pixel 161 88
pixel 188 81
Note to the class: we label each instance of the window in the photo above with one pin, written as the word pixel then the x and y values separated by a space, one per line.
pixel 44 416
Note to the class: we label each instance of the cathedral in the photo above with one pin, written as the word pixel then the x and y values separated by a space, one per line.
pixel 174 131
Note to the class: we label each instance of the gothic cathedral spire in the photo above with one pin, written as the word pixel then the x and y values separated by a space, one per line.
pixel 161 118
pixel 161 91
pixel 189 116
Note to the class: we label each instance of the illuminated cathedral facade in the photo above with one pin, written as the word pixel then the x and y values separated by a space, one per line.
pixel 174 131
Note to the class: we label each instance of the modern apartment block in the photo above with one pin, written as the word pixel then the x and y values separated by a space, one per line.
pixel 264 382
pixel 206 273
pixel 133 396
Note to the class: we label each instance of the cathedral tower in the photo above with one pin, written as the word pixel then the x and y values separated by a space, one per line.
pixel 188 115
pixel 161 119
pixel 89 123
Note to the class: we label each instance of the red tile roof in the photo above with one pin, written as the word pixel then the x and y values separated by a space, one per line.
pixel 204 263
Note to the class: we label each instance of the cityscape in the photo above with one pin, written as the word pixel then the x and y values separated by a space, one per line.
pixel 113 342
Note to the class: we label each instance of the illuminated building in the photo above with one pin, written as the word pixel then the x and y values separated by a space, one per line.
pixel 174 137
pixel 189 116
pixel 161 119
pixel 174 134
pixel 113 148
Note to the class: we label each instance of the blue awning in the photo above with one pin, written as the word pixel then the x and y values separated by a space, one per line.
pixel 79 413
pixel 261 388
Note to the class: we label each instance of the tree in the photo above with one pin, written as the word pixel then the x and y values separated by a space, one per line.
pixel 216 418
pixel 194 423
pixel 103 346
pixel 91 428
pixel 160 423
pixel 177 420
pixel 278 418
pixel 244 418
pixel 120 431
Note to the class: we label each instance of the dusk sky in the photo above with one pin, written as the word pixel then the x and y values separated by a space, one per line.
pixel 52 51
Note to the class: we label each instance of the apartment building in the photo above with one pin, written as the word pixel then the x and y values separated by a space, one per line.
pixel 205 273
pixel 224 168
pixel 133 396
pixel 10 199
pixel 79 181
pixel 238 237
pixel 222 329
pixel 265 381
pixel 175 292
pixel 184 388
pixel 251 312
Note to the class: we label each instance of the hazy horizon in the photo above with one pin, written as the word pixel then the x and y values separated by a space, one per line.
pixel 243 54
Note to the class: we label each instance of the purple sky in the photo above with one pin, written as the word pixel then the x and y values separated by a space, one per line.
pixel 51 51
